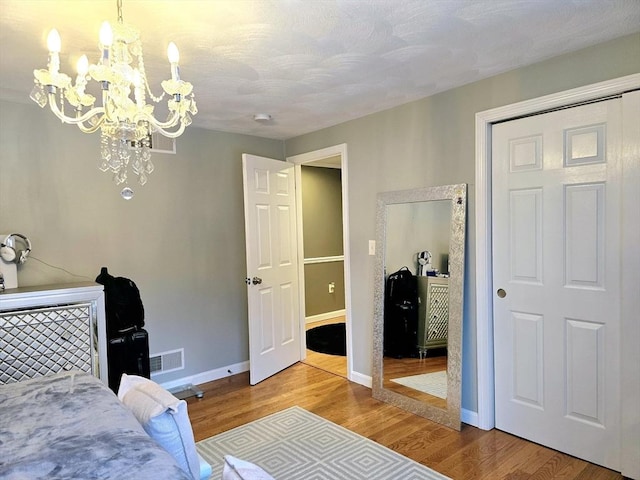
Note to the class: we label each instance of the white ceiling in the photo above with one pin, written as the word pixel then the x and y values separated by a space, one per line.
pixel 311 63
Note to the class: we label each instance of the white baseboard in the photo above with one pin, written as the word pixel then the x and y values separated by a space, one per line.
pixel 469 417
pixel 234 369
pixel 466 416
pixel 208 376
pixel 361 379
pixel 324 316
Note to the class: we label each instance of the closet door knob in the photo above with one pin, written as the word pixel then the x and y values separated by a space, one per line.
pixel 256 280
pixel 501 293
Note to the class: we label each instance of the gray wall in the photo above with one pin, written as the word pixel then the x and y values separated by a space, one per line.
pixel 321 211
pixel 317 277
pixel 181 238
pixel 414 227
pixel 432 142
pixel 322 232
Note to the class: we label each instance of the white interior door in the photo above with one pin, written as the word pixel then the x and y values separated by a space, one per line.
pixel 272 265
pixel 556 276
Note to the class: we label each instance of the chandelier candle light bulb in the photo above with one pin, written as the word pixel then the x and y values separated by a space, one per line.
pixel 125 123
pixel 83 69
pixel 174 58
pixel 106 34
pixel 106 40
pixel 54 46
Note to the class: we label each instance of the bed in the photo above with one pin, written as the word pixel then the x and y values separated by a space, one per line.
pixel 70 426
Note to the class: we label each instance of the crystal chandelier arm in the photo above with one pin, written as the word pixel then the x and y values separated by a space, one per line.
pixel 78 119
pixel 171 121
pixel 83 128
pixel 175 134
pixel 163 126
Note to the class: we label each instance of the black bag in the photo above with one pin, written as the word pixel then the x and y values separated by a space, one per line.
pixel 402 287
pixel 123 305
pixel 401 314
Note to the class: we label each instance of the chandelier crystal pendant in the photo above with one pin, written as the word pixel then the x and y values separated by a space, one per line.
pixel 124 119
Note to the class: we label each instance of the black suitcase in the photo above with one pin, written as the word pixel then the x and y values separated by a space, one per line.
pixel 128 353
pixel 401 315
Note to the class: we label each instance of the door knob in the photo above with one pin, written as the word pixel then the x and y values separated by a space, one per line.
pixel 256 280
pixel 501 293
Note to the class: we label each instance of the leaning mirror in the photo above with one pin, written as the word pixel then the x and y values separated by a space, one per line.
pixel 417 355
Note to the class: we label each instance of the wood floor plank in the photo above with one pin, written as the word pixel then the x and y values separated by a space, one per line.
pixel 490 467
pixel 443 448
pixel 519 465
pixel 469 454
pixel 552 467
pixel 594 472
pixel 420 443
pixel 572 470
pixel 540 457
pixel 471 461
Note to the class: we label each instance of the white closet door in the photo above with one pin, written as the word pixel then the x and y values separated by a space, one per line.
pixel 556 251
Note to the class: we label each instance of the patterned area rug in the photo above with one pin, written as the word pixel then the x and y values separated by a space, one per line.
pixel 295 444
pixel 432 383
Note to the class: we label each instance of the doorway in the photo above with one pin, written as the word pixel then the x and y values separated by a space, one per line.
pixel 324 279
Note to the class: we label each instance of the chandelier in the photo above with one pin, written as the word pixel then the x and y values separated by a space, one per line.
pixel 124 119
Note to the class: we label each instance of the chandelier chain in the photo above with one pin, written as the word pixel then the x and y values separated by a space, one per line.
pixel 119 3
pixel 144 78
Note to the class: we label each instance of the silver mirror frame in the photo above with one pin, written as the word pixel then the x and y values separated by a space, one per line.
pixel 457 194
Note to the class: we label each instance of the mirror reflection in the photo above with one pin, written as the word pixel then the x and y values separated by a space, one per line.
pixel 416 300
pixel 417 331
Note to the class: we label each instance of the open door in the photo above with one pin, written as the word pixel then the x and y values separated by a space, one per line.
pixel 272 265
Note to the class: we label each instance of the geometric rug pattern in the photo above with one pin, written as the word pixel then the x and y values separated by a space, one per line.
pixel 295 444
pixel 432 383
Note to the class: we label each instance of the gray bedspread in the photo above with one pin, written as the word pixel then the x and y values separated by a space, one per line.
pixel 70 426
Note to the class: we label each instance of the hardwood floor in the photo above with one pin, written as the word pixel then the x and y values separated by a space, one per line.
pixel 467 455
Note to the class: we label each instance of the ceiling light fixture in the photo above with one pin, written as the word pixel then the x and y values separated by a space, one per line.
pixel 262 117
pixel 125 120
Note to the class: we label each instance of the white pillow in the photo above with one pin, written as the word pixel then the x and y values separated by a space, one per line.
pixel 163 417
pixel 236 469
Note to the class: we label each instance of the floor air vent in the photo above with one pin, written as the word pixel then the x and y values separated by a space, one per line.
pixel 167 361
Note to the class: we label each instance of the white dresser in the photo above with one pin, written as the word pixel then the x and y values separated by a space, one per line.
pixel 433 313
pixel 47 329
